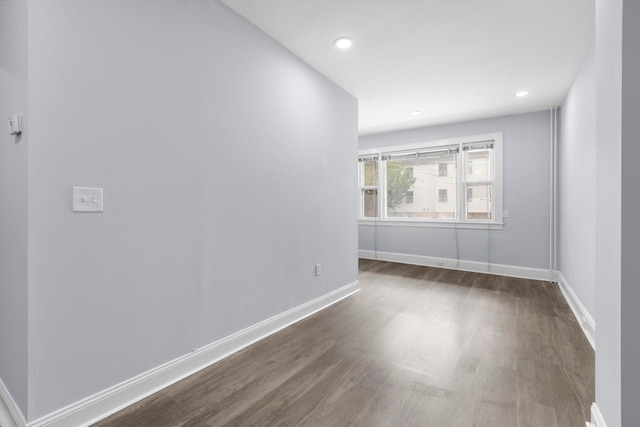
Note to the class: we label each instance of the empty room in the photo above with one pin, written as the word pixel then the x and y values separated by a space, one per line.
pixel 319 213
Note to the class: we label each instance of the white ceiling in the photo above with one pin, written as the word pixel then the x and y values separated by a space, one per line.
pixel 453 60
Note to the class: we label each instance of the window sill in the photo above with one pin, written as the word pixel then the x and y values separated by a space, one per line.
pixel 433 224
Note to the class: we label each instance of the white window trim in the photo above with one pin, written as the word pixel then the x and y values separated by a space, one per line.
pixel 461 222
pixel 363 188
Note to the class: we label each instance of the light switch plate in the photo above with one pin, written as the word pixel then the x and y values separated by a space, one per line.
pixel 87 199
pixel 15 125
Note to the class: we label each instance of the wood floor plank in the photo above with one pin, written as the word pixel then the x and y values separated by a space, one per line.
pixel 318 398
pixel 156 411
pixel 418 346
pixel 205 410
pixel 272 405
pixel 229 376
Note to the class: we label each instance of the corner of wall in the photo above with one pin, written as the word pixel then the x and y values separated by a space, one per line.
pixel 582 315
pixel 10 414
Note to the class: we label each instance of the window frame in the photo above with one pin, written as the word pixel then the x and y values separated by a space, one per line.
pixel 362 187
pixel 460 219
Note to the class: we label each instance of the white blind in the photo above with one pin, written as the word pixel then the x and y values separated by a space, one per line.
pixel 368 158
pixel 480 145
pixel 426 153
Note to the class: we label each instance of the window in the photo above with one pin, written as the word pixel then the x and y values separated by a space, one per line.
pixel 453 180
pixel 419 172
pixel 368 186
pixel 408 197
pixel 479 181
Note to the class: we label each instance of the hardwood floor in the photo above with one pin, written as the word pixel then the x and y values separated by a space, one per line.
pixel 417 346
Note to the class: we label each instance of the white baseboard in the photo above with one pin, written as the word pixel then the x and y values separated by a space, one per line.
pixel 585 320
pixel 596 417
pixel 478 267
pixel 111 400
pixel 10 413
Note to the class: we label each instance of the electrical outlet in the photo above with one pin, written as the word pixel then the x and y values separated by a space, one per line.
pixel 87 199
pixel 505 213
pixel 439 263
pixel 317 269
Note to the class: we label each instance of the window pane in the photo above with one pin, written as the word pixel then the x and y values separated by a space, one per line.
pixel 370 174
pixel 408 198
pixel 442 195
pixel 479 201
pixel 423 187
pixel 479 165
pixel 370 199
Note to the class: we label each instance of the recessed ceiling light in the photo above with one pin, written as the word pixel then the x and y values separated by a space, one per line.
pixel 522 93
pixel 343 43
pixel 415 113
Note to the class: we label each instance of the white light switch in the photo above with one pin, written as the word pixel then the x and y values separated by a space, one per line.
pixel 505 213
pixel 87 199
pixel 15 125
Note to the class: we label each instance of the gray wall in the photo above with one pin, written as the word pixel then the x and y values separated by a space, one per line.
pixel 524 241
pixel 577 185
pixel 227 168
pixel 630 239
pixel 608 209
pixel 13 201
